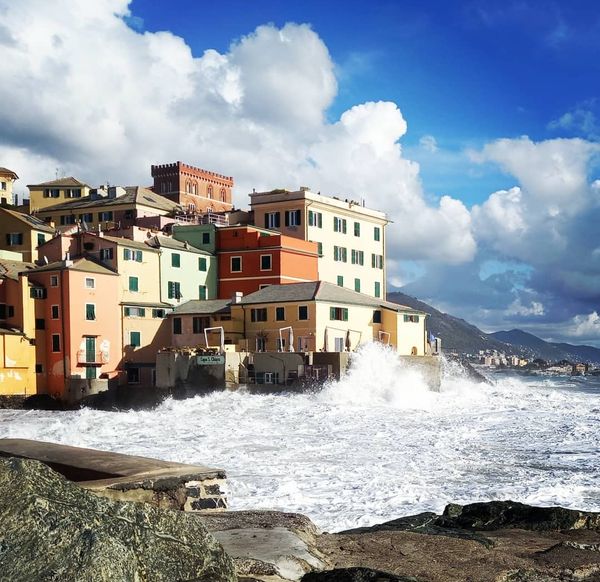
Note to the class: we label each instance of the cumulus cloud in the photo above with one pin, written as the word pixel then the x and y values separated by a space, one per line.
pixel 89 95
pixel 585 326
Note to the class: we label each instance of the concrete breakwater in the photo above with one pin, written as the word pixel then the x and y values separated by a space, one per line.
pixel 77 533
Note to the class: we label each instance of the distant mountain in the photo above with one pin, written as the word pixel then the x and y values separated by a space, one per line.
pixel 460 336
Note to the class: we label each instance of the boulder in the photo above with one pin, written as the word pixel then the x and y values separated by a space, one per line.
pixel 52 529
pixel 355 575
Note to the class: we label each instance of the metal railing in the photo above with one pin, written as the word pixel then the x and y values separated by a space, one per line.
pixel 92 359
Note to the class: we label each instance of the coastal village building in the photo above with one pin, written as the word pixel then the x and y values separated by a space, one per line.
pixel 7 179
pixel 251 258
pixel 55 192
pixel 350 237
pixel 108 208
pixel 194 189
pixel 23 233
pixel 185 271
pixel 17 329
pixel 78 343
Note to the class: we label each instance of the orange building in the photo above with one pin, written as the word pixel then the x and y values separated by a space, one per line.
pixel 78 348
pixel 195 189
pixel 251 258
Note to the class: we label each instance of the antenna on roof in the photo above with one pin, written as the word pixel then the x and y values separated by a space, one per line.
pixel 56 173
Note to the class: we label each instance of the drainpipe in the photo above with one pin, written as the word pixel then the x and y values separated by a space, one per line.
pixel 64 336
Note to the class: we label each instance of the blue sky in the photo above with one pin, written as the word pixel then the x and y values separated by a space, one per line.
pixel 464 72
pixel 474 125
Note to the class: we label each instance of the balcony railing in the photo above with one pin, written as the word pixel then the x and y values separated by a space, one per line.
pixel 85 358
pixel 208 218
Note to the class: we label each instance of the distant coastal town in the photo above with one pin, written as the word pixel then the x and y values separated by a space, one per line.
pixel 171 284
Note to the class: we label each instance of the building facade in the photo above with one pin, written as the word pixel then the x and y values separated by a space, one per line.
pixel 195 189
pixel 56 191
pixel 23 233
pixel 350 237
pixel 7 179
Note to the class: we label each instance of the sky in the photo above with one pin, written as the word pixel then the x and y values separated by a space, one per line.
pixel 474 125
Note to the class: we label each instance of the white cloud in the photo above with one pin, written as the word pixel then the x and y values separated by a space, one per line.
pixel 517 308
pixel 585 326
pixel 85 93
pixel 429 143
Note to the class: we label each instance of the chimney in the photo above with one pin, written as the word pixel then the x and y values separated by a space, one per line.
pixel 116 191
pixel 236 299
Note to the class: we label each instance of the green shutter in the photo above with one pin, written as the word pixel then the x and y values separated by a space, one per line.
pixel 202 264
pixel 133 283
pixel 202 292
pixel 332 313
pixel 127 311
pixel 345 313
pixel 90 313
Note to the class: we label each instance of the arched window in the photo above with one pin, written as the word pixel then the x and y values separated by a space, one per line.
pixel 209 191
pixel 223 194
pixel 191 207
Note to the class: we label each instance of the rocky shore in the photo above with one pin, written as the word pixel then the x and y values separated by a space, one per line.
pixel 52 529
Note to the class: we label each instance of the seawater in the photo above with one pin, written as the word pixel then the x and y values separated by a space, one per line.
pixel 375 446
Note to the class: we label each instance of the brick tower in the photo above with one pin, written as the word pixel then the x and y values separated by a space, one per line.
pixel 195 189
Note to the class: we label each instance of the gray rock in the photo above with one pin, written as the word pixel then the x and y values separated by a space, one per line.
pixel 53 530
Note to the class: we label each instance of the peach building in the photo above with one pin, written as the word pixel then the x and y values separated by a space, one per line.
pixel 251 258
pixel 78 345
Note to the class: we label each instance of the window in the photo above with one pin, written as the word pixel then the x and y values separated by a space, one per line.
pixel 135 339
pixel 159 313
pixel 357 285
pixel 292 218
pixel 54 312
pixel 202 264
pixel 209 191
pixel 176 260
pixel 67 219
pixel 174 290
pixel 54 281
pixel 41 239
pixel 56 342
pixel 202 292
pixel 2 185
pixel 199 324
pixel 280 314
pixel 272 220
pixel 358 257
pixel 37 293
pixel 261 344
pixel 377 261
pixel 411 319
pixel 40 323
pixel 133 375
pixel 177 325
pixel 377 289
pixel 357 229
pixel 259 314
pixel 14 239
pixel 315 219
pixel 320 249
pixel 86 217
pixel 73 193
pixel 128 214
pixel 377 316
pixel 338 313
pixel 90 311
pixel 340 281
pixel 107 215
pixel 133 284
pixel 6 311
pixel 206 238
pixel 223 194
pixel 280 343
pixel 236 264
pixel 339 225
pixel 51 192
pixel 90 283
pixel 376 233
pixel 39 369
pixel 134 312
pixel 265 262
pixel 131 255
pixel 106 254
pixel 340 254
pixel 303 312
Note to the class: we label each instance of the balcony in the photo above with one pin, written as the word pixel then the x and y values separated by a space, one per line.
pixel 85 358
pixel 208 218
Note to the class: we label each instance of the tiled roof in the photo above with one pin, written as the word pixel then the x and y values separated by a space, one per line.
pixel 83 264
pixel 127 242
pixel 7 172
pixel 171 243
pixel 31 221
pixel 319 290
pixel 133 195
pixel 68 181
pixel 158 304
pixel 11 269
pixel 207 307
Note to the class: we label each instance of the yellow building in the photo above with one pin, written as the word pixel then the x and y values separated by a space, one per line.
pixel 55 192
pixel 17 331
pixel 320 316
pixel 7 178
pixel 108 208
pixel 23 233
pixel 350 237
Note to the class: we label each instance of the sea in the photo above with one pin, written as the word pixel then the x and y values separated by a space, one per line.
pixel 375 446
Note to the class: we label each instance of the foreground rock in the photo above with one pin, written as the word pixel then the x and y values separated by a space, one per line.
pixel 500 541
pixel 51 529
